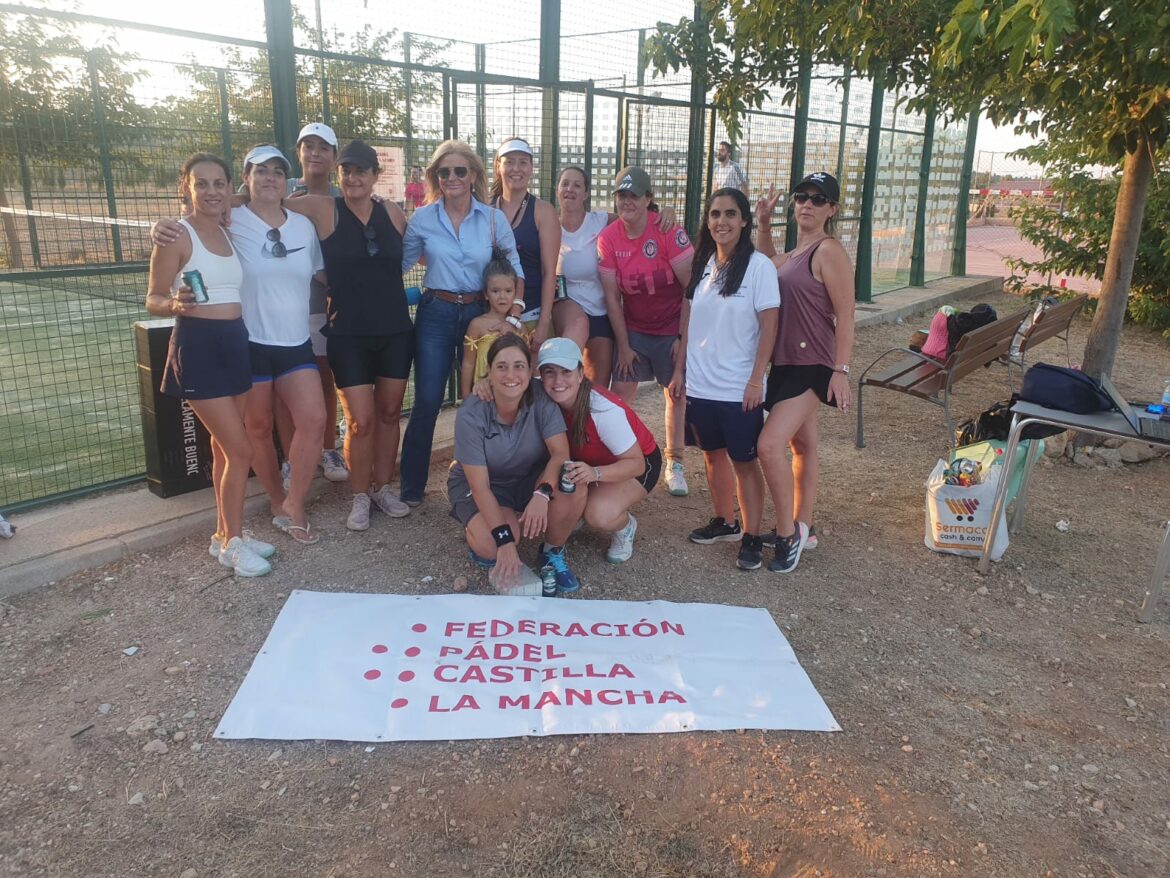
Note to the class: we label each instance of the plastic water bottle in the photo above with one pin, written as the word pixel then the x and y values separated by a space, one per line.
pixel 1166 392
pixel 527 583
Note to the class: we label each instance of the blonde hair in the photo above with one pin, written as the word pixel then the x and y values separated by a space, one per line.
pixel 474 166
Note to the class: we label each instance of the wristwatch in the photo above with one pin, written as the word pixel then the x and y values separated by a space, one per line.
pixel 545 490
pixel 844 370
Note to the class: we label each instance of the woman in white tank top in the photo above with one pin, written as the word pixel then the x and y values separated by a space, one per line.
pixel 208 362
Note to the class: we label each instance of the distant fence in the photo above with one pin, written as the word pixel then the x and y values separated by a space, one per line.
pixel 91 141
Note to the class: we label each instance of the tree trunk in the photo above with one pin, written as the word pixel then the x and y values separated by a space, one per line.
pixel 1105 334
pixel 11 237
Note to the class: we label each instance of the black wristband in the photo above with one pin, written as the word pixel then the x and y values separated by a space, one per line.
pixel 502 535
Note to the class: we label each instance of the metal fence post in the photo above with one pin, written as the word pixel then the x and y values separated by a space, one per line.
pixel 695 132
pixel 587 159
pixel 326 116
pixel 918 249
pixel 550 73
pixel 407 96
pixel 448 127
pixel 282 73
pixel 26 185
pixel 962 208
pixel 481 103
pixel 863 276
pixel 799 135
pixel 840 172
pixel 225 119
pixel 99 124
pixel 710 153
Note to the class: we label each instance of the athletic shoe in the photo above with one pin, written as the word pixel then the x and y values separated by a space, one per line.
pixel 788 550
pixel 567 582
pixel 412 503
pixel 261 548
pixel 359 515
pixel 621 544
pixel 387 501
pixel 751 553
pixel 676 480
pixel 243 560
pixel 811 543
pixel 333 465
pixel 285 476
pixel 717 531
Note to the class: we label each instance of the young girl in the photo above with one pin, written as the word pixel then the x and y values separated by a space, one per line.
pixel 499 283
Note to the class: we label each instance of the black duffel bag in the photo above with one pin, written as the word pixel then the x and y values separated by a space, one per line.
pixel 1068 390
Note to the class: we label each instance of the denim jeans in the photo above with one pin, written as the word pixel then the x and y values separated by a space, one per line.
pixel 439 328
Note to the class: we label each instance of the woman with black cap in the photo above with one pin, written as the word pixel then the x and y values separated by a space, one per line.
pixel 810 364
pixel 644 272
pixel 370 338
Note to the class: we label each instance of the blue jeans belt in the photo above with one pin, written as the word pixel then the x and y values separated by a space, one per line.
pixel 456 298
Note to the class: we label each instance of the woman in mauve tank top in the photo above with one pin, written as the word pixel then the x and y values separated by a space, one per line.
pixel 810 365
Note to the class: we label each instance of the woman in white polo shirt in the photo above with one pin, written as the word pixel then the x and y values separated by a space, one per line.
pixel 280 254
pixel 728 330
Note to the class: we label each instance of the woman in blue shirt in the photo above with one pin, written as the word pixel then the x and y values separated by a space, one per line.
pixel 454 233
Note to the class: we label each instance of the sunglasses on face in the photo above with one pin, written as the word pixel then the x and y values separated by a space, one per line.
pixel 445 173
pixel 278 249
pixel 371 245
pixel 818 200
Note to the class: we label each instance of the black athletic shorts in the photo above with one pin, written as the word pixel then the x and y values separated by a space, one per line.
pixel 362 359
pixel 787 382
pixel 207 359
pixel 715 425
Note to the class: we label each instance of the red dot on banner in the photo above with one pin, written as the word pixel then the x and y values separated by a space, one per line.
pixel 419 627
pixel 398 703
pixel 380 648
pixel 413 651
pixel 372 675
pixel 406 676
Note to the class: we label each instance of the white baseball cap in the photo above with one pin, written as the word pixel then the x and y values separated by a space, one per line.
pixel 515 144
pixel 318 129
pixel 258 155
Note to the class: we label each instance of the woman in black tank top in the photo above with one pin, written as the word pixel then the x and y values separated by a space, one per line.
pixel 370 338
pixel 538 243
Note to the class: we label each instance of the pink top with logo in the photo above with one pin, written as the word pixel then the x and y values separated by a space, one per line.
pixel 644 267
pixel 808 323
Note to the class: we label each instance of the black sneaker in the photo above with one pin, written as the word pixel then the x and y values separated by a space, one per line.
pixel 751 553
pixel 717 530
pixel 788 550
pixel 811 543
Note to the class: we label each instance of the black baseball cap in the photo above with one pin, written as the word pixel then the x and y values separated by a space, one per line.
pixel 360 154
pixel 827 183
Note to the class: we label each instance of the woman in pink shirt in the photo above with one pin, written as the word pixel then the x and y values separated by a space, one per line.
pixel 644 272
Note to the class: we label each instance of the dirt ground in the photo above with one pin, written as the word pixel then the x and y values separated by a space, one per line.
pixel 1014 725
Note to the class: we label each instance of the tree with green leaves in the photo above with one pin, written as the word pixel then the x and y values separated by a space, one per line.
pixel 1092 73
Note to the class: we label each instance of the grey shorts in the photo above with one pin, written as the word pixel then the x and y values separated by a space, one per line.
pixel 654 362
pixel 514 496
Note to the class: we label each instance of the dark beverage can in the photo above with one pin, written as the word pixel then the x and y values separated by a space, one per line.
pixel 568 486
pixel 562 289
pixel 548 581
pixel 194 280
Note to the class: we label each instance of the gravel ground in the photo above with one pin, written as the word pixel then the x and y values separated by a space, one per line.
pixel 1014 725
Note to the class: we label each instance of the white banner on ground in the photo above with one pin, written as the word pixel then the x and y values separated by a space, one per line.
pixel 366 667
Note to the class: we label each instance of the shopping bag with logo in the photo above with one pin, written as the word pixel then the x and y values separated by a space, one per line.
pixel 957 516
pixel 990 453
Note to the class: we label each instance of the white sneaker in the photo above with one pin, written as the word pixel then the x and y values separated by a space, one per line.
pixel 676 480
pixel 243 560
pixel 359 515
pixel 621 544
pixel 389 502
pixel 261 548
pixel 333 465
pixel 285 476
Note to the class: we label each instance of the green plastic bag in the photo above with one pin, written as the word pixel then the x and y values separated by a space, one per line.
pixel 990 453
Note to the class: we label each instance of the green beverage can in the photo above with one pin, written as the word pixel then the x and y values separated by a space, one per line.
pixel 194 280
pixel 562 289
